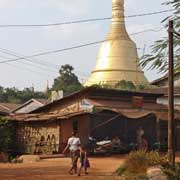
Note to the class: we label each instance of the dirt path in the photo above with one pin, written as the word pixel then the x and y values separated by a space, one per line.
pixel 56 169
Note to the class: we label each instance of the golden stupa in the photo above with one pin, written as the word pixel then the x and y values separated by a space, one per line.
pixel 117 59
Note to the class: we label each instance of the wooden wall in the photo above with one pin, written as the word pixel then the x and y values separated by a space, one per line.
pixel 30 133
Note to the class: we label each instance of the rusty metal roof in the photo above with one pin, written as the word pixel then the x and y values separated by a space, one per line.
pixel 6 108
pixel 43 117
pixel 97 92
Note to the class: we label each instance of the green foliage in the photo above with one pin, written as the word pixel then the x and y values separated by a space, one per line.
pixel 136 164
pixel 125 85
pixel 171 172
pixel 102 85
pixel 154 159
pixel 67 80
pixel 122 170
pixel 13 95
pixel 130 86
pixel 7 134
pixel 127 175
pixel 158 59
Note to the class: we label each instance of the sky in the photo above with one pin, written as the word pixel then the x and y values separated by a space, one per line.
pixel 32 40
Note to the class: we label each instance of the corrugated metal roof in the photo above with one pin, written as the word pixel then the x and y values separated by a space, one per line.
pixel 156 81
pixel 7 107
pixel 43 117
pixel 96 92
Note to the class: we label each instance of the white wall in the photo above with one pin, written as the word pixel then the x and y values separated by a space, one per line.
pixel 164 100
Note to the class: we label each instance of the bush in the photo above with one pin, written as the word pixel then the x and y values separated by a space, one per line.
pixel 155 159
pixel 136 165
pixel 7 135
pixel 137 162
pixel 121 170
pixel 172 173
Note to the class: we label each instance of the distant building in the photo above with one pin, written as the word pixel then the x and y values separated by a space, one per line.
pixel 6 108
pixel 164 99
pixel 29 106
pixel 162 87
pixel 163 81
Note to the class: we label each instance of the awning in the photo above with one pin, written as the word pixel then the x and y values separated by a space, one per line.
pixel 138 114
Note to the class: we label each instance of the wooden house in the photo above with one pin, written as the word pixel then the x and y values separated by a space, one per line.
pixel 96 112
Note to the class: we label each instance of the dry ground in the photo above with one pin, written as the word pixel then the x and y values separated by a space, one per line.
pixel 56 169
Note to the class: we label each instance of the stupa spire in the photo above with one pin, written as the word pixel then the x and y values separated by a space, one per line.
pixel 117 59
pixel 118 11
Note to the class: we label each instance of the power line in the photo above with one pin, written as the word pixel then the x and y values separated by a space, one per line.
pixel 28 60
pixel 81 21
pixel 18 55
pixel 52 52
pixel 71 48
pixel 33 65
pixel 149 14
pixel 26 69
pixel 12 53
pixel 147 30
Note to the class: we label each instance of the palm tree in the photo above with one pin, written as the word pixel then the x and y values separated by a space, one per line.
pixel 158 59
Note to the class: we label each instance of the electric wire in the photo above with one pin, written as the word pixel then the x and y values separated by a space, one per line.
pixel 71 48
pixel 81 21
pixel 18 55
pixel 56 69
pixel 27 69
pixel 12 53
pixel 34 65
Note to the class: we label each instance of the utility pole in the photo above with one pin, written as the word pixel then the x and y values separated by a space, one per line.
pixel 171 120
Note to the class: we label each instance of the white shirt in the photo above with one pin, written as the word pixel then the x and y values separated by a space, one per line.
pixel 74 143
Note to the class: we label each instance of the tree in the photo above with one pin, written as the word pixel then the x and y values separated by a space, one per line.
pixel 158 59
pixel 7 135
pixel 67 80
pixel 14 95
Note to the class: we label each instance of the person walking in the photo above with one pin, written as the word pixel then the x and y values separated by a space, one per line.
pixel 73 145
pixel 84 160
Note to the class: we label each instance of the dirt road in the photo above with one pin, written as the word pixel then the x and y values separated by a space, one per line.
pixel 56 169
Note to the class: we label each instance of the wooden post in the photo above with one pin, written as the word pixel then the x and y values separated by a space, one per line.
pixel 171 121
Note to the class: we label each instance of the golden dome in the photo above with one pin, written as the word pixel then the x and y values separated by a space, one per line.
pixel 117 58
